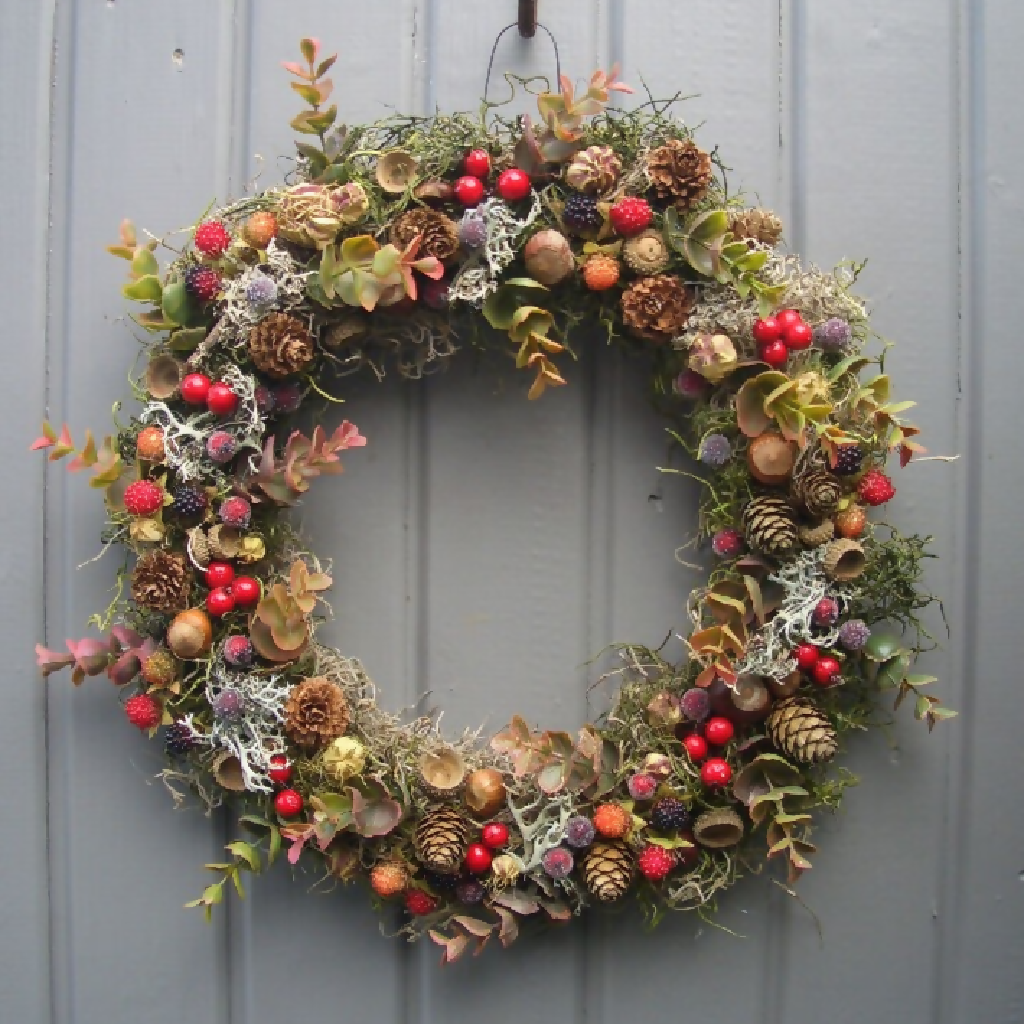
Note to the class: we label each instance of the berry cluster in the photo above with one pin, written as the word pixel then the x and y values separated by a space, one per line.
pixel 778 335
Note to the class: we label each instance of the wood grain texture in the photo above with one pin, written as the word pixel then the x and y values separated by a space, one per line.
pixel 485 549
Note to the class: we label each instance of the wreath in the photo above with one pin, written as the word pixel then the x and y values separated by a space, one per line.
pixel 392 246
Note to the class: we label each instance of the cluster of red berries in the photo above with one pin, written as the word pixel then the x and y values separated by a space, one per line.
pixel 778 335
pixel 718 731
pixel 480 855
pixel 822 668
pixel 512 184
pixel 288 802
pixel 228 591
pixel 218 397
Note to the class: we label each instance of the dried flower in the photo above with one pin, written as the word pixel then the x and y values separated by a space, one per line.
pixel 833 335
pixel 854 634
pixel 713 356
pixel 261 290
pixel 715 450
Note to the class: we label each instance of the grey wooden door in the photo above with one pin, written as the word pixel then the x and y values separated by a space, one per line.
pixel 485 548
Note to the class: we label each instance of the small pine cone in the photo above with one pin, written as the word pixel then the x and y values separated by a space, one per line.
pixel 594 170
pixel 770 526
pixel 680 171
pixel 161 582
pixel 608 870
pixel 818 491
pixel 820 533
pixel 802 731
pixel 316 712
pixel 439 235
pixel 646 253
pixel 280 345
pixel 656 308
pixel 442 837
pixel 755 226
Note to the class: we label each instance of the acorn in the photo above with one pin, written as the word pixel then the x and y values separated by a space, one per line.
pixel 751 701
pixel 190 634
pixel 770 458
pixel 548 257
pixel 485 792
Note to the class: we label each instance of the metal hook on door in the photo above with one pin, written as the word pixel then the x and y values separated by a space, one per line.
pixel 527 18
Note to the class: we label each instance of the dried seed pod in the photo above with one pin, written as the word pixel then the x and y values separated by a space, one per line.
pixel 718 829
pixel 395 171
pixel 163 376
pixel 442 773
pixel 844 560
pixel 227 770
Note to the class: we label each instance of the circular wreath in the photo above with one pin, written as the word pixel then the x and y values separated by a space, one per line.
pixel 395 244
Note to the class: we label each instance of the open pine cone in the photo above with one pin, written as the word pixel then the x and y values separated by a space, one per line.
pixel 161 582
pixel 756 225
pixel 656 308
pixel 680 171
pixel 280 345
pixel 316 712
pixel 439 234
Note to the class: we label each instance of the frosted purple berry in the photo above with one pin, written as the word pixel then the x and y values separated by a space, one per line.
pixel 579 831
pixel 691 384
pixel 642 786
pixel 469 890
pixel 696 704
pixel 715 450
pixel 558 862
pixel 473 231
pixel 228 705
pixel 825 613
pixel 221 446
pixel 238 651
pixel 236 511
pixel 727 543
pixel 264 400
pixel 287 398
pixel 833 335
pixel 854 634
pixel 261 290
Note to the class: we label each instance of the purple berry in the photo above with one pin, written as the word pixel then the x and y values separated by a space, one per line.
pixel 691 384
pixel 261 290
pixel 579 831
pixel 228 705
pixel 696 704
pixel 642 786
pixel 833 335
pixel 854 634
pixel 287 398
pixel 558 862
pixel 221 446
pixel 238 651
pixel 473 231
pixel 715 450
pixel 469 890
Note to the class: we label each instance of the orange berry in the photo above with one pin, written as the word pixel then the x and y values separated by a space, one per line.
pixel 260 229
pixel 850 521
pixel 600 272
pixel 389 879
pixel 611 821
pixel 150 444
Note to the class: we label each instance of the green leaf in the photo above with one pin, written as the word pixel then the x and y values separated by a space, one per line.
pixel 176 305
pixel 246 852
pixel 500 306
pixel 922 680
pixel 236 880
pixel 144 263
pixel 146 289
pixel 308 92
pixel 851 364
pixel 186 339
pixel 322 120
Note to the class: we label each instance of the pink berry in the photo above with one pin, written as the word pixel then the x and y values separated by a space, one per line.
pixel 825 613
pixel 727 543
pixel 642 786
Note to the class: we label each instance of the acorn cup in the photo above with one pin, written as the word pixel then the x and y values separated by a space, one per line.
pixel 442 773
pixel 718 829
pixel 844 560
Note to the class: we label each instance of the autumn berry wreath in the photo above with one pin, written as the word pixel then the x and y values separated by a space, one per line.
pixel 395 245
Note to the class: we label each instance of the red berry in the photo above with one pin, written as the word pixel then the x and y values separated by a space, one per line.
pixel 806 657
pixel 715 772
pixel 469 190
pixel 696 746
pixel 513 185
pixel 235 512
pixel 727 543
pixel 143 711
pixel 774 354
pixel 786 318
pixel 419 903
pixel 143 497
pixel 220 602
pixel 221 400
pixel 719 731
pixel 478 858
pixel 212 238
pixel 825 613
pixel 477 162
pixel 280 771
pixel 826 670
pixel 435 294
pixel 288 803
pixel 219 574
pixel 655 862
pixel 767 330
pixel 246 591
pixel 194 388
pixel 798 336
pixel 495 835
pixel 630 215
pixel 875 488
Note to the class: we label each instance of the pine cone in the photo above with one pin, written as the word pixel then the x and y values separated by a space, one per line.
pixel 161 581
pixel 316 712
pixel 306 215
pixel 680 171
pixel 770 526
pixel 442 837
pixel 439 234
pixel 608 870
pixel 818 491
pixel 818 534
pixel 656 308
pixel 802 731
pixel 594 170
pixel 755 226
pixel 280 345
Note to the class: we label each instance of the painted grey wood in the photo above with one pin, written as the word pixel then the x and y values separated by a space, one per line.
pixel 484 549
